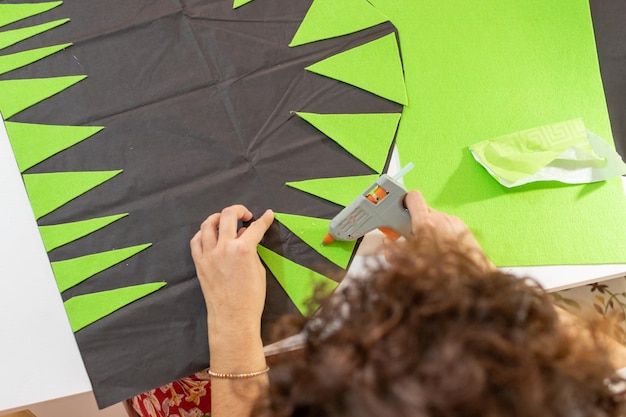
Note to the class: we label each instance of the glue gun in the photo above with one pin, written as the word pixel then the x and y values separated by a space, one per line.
pixel 381 207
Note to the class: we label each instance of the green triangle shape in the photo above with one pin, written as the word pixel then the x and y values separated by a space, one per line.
pixel 47 192
pixel 10 13
pixel 332 18
pixel 33 143
pixel 239 3
pixel 57 235
pixel 298 281
pixel 312 230
pixel 366 136
pixel 72 272
pixel 21 59
pixel 375 67
pixel 18 95
pixel 340 190
pixel 11 37
pixel 83 310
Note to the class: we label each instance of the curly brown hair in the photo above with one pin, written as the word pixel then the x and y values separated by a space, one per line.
pixel 439 333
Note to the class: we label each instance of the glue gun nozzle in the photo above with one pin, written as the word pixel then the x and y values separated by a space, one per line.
pixel 327 239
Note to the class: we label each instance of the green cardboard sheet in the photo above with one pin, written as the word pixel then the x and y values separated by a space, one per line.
pixel 375 67
pixel 239 3
pixel 18 95
pixel 21 59
pixel 476 70
pixel 10 13
pixel 72 272
pixel 332 18
pixel 298 281
pixel 34 143
pixel 312 230
pixel 11 37
pixel 47 192
pixel 368 137
pixel 341 191
pixel 57 235
pixel 82 310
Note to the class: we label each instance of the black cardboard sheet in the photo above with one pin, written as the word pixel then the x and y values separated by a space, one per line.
pixel 609 22
pixel 196 100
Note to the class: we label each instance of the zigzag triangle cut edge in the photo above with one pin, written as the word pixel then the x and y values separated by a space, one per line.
pixel 339 190
pixel 49 191
pixel 71 272
pixel 83 310
pixel 11 13
pixel 11 37
pixel 354 67
pixel 33 143
pixel 312 230
pixel 367 136
pixel 299 282
pixel 328 19
pixel 57 235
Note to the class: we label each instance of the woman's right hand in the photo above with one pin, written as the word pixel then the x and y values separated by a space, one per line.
pixel 425 219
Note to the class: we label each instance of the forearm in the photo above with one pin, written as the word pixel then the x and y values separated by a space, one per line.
pixel 236 352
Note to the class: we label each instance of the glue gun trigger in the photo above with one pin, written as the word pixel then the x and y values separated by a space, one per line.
pixel 390 233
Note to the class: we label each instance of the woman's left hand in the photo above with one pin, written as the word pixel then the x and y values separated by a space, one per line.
pixel 231 275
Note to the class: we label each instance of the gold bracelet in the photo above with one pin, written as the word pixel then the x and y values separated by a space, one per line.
pixel 237 376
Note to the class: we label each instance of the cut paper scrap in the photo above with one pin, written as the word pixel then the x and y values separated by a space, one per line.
pixel 333 18
pixel 11 37
pixel 71 272
pixel 33 143
pixel 312 230
pixel 20 59
pixel 49 191
pixel 340 190
pixel 10 13
pixel 239 3
pixel 83 310
pixel 368 137
pixel 566 152
pixel 57 235
pixel 299 282
pixel 18 95
pixel 375 67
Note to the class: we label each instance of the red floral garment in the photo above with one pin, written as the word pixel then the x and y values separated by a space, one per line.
pixel 187 397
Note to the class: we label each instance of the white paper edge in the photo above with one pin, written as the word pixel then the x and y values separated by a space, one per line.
pixel 39 357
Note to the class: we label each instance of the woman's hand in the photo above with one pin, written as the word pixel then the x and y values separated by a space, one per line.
pixel 231 275
pixel 425 219
pixel 232 279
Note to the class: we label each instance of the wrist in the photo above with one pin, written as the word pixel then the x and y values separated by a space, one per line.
pixel 236 348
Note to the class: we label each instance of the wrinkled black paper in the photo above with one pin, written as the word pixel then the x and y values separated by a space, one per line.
pixel 196 100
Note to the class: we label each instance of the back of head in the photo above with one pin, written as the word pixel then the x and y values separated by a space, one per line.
pixel 439 333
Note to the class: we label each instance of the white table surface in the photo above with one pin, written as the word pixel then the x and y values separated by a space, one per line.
pixel 39 358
